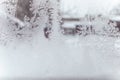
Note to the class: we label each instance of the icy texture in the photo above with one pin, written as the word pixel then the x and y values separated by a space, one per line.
pixel 59 56
pixel 41 18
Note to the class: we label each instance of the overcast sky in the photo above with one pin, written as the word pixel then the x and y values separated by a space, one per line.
pixel 82 7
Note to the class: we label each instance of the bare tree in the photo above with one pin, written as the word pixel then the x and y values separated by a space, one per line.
pixel 29 16
pixel 23 9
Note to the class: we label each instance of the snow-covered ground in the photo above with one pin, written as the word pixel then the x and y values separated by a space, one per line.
pixel 91 56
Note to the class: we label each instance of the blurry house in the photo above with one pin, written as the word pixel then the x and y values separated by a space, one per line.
pixel 69 25
pixel 117 20
pixel 72 26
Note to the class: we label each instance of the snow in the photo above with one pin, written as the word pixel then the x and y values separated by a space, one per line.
pixel 90 56
pixel 71 24
pixel 115 18
pixel 58 57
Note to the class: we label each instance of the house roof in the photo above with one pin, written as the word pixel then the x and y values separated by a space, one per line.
pixel 115 18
